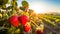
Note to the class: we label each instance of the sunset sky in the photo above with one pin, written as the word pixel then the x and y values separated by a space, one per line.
pixel 43 6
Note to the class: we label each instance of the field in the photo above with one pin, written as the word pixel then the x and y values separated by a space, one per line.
pixel 50 22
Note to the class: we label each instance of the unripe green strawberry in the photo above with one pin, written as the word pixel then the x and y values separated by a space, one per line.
pixel 0 15
pixel 23 19
pixel 14 20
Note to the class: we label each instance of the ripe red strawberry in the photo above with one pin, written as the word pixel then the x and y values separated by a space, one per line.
pixel 27 27
pixel 23 19
pixel 39 32
pixel 14 20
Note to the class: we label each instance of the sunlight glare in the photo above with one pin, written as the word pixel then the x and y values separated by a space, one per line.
pixel 38 8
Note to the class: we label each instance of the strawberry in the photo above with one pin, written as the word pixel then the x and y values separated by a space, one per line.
pixel 14 20
pixel 23 19
pixel 27 27
pixel 39 32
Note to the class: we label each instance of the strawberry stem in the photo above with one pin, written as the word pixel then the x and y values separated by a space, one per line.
pixel 34 23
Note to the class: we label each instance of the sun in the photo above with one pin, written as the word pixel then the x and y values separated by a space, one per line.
pixel 38 8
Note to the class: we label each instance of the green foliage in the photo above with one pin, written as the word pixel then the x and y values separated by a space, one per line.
pixel 3 2
pixel 25 4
